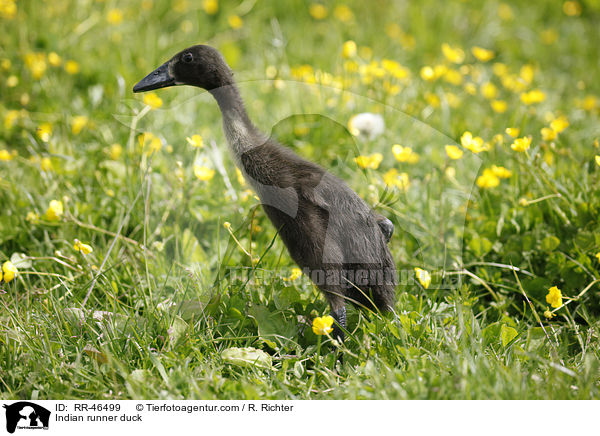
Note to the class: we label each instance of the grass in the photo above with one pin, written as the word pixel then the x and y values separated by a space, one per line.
pixel 170 287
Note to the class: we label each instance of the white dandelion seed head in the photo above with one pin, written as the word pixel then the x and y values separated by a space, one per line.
pixel 366 124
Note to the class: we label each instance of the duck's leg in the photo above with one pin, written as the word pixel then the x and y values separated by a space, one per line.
pixel 338 312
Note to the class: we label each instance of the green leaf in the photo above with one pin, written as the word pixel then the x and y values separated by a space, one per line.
pixel 480 246
pixel 549 243
pixel 247 357
pixel 177 330
pixel 20 260
pixel 272 325
pixel 507 334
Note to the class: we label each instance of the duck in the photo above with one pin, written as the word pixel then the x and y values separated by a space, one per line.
pixel 336 239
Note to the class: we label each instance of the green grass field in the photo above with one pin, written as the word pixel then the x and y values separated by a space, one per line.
pixel 495 220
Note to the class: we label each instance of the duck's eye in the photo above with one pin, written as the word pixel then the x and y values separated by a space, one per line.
pixel 187 58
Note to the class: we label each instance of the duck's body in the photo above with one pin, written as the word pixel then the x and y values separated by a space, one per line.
pixel 329 231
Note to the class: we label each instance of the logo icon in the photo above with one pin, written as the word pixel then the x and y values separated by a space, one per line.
pixel 26 415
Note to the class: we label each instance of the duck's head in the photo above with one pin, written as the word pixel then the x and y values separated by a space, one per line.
pixel 199 65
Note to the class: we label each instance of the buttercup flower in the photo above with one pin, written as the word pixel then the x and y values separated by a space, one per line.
pixel 453 152
pixel 203 173
pixel 482 54
pixel 10 271
pixel 548 134
pixel 454 54
pixel 393 178
pixel 317 11
pixel 235 22
pixel 84 248
pixel 78 123
pixel 372 161
pixel 473 144
pixel 195 141
pixel 554 297
pixel 349 49
pixel 114 16
pixel 72 67
pixel 55 211
pixel 488 179
pixel 533 96
pixel 404 154
pixel 423 276
pixel 521 144
pixel 322 325
pixel 211 7
pixel 153 100
pixel 513 131
pixel 296 273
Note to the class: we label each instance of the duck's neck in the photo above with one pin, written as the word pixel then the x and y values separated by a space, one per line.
pixel 241 134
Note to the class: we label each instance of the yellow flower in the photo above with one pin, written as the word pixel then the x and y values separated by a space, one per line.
pixel 489 90
pixel 211 7
pixel 11 118
pixel 454 54
pixel 10 271
pixel 54 59
pixel 235 22
pixel 195 141
pixel 72 67
pixel 153 100
pixel 78 123
pixel 115 151
pixel 227 225
pixel 349 49
pixel 296 273
pixel 482 54
pixel 404 154
pixel 572 8
pixel 533 96
pixel 149 142
pixel 549 36
pixel 114 16
pixel 597 159
pixel 432 99
pixel 499 106
pixel 54 211
pixel 513 131
pixel 317 11
pixel 393 178
pixel 372 161
pixel 32 217
pixel 501 172
pixel 203 173
pixel 322 325
pixel 12 81
pixel 36 62
pixel 527 73
pixel 597 256
pixel 44 131
pixel 8 9
pixel 46 164
pixel 453 152
pixel 424 277
pixel 521 144
pixel 548 134
pixel 488 179
pixel 84 248
pixel 473 144
pixel 559 124
pixel 5 155
pixel 548 314
pixel 427 73
pixel 554 297
pixel 343 13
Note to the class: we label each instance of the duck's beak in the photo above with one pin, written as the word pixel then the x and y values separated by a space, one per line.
pixel 159 78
